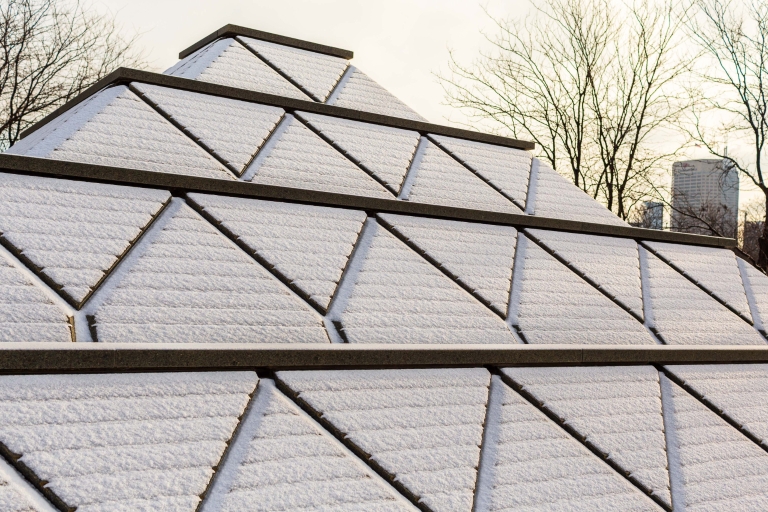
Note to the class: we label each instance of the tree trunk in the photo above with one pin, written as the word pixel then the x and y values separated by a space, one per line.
pixel 762 242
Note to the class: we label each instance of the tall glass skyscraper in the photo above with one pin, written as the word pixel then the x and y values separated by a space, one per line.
pixel 705 197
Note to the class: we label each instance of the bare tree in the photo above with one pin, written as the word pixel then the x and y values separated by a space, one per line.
pixel 50 51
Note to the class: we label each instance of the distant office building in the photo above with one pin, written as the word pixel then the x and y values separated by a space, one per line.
pixel 705 197
pixel 650 215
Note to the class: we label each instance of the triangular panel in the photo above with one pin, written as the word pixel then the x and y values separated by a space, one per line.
pixel 756 287
pixel 359 92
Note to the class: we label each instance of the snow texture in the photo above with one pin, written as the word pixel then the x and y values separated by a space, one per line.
pixel 423 427
pixel 190 284
pixel 551 304
pixel 385 152
pixel 282 460
pixel 233 130
pixel 714 269
pixel 309 245
pixel 114 127
pixel 360 92
pixel 316 73
pixel 227 62
pixel 685 315
pixel 123 442
pixel 529 463
pixel 16 495
pixel 611 263
pixel 551 195
pixel 756 286
pixel 73 232
pixel 616 409
pixel 506 168
pixel 439 179
pixel 478 255
pixel 398 297
pixel 712 465
pixel 296 157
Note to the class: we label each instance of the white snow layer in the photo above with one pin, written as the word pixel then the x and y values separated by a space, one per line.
pixel 115 127
pixel 712 268
pixel 17 495
pixel 360 92
pixel 507 168
pixel 551 304
pixel 386 152
pixel 189 283
pixel 309 245
pixel 713 466
pixel 756 286
pixel 317 73
pixel 123 442
pixel 297 157
pixel 398 297
pixel 282 460
pixel 611 263
pixel 685 315
pixel 478 255
pixel 529 463
pixel 234 130
pixel 439 179
pixel 74 231
pixel 616 409
pixel 227 62
pixel 424 427
pixel 551 195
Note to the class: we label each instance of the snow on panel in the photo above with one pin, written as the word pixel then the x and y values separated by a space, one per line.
pixel 384 151
pixel 190 284
pixel 506 168
pixel 398 297
pixel 529 463
pixel 123 441
pixel 684 314
pixel 712 268
pixel 616 409
pixel 299 158
pixel 423 427
pixel 479 255
pixel 282 460
pixel 227 62
pixel 309 245
pixel 115 127
pixel 359 92
pixel 317 73
pixel 73 232
pixel 439 179
pixel 611 263
pixel 756 286
pixel 17 495
pixel 234 130
pixel 713 466
pixel 551 304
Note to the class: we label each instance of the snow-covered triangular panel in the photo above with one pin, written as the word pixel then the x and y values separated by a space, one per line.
pixel 233 130
pixel 684 314
pixel 390 294
pixel 115 127
pixel 617 409
pixel 551 304
pixel 17 495
pixel 188 283
pixel 227 62
pixel 712 465
pixel 611 263
pixel 529 463
pixel 296 157
pixel 551 195
pixel 73 232
pixel 282 460
pixel 123 441
pixel 316 73
pixel 423 427
pixel 756 287
pixel 359 92
pixel 507 168
pixel 309 245
pixel 714 269
pixel 436 178
pixel 480 256
pixel 385 152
